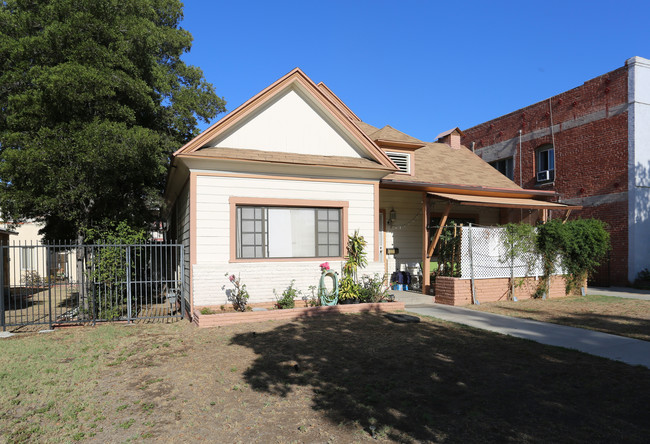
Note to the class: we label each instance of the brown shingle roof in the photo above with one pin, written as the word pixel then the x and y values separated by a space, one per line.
pixel 287 158
pixel 387 134
pixel 367 129
pixel 438 163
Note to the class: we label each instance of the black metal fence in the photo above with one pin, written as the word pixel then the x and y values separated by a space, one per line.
pixel 62 283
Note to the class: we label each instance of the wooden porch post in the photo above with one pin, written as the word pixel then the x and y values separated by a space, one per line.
pixel 432 246
pixel 426 266
pixel 436 238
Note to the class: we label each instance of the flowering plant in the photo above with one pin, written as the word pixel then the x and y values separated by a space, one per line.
pixel 238 296
pixel 324 266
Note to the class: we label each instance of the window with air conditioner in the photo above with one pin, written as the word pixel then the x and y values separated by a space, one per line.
pixel 545 163
pixel 402 160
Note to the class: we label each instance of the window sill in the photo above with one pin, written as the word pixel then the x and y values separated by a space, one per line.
pixel 287 259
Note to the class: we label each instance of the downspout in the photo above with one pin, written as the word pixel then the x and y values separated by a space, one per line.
pixel 521 153
pixel 550 107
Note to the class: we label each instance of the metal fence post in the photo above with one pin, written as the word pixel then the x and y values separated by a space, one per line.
pixel 48 269
pixel 471 264
pixel 128 283
pixel 93 261
pixel 2 285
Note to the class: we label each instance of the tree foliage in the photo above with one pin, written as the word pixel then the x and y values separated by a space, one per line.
pixel 94 97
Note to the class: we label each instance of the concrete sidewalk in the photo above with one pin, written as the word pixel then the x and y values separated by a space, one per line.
pixel 618 348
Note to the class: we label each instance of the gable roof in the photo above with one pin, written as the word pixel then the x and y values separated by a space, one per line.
pixel 326 100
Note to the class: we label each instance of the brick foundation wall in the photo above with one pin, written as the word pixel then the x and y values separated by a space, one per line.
pixel 590 136
pixel 456 291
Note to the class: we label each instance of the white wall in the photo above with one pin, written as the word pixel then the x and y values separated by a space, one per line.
pixel 290 124
pixel 213 234
pixel 638 165
pixel 405 232
pixel 210 282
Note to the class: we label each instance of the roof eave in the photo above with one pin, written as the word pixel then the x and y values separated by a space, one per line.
pixel 384 143
pixel 463 189
pixel 281 162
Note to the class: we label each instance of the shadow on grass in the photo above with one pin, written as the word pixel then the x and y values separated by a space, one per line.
pixel 438 382
pixel 629 326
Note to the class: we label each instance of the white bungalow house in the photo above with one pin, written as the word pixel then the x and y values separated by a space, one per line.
pixel 273 189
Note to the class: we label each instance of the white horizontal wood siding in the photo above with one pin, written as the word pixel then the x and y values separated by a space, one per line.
pixel 213 233
pixel 182 214
pixel 405 232
pixel 291 124
pixel 211 282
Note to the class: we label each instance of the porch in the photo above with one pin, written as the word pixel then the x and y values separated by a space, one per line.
pixel 421 230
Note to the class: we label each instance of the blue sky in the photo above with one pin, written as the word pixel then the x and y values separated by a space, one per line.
pixel 420 66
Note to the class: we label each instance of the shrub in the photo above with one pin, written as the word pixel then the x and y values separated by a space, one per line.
pixel 238 296
pixel 313 300
pixel 373 289
pixel 31 278
pixel 289 295
pixel 580 244
pixel 110 270
pixel 348 289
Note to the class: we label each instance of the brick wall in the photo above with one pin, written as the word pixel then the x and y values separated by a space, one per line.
pixel 456 291
pixel 590 134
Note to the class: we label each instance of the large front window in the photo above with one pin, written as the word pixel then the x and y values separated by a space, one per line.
pixel 286 232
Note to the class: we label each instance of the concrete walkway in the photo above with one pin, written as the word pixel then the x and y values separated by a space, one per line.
pixel 618 348
pixel 620 292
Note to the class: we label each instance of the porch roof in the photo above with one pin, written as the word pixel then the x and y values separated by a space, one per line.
pixel 503 202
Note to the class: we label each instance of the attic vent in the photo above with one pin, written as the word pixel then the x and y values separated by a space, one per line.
pixel 402 160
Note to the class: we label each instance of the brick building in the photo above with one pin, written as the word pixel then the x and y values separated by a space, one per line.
pixel 591 145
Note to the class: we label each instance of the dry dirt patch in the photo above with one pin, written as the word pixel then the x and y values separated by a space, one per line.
pixel 340 378
pixel 618 316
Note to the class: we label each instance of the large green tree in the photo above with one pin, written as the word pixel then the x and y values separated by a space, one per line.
pixel 94 97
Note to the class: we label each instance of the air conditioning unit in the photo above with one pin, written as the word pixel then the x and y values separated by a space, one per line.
pixel 543 176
